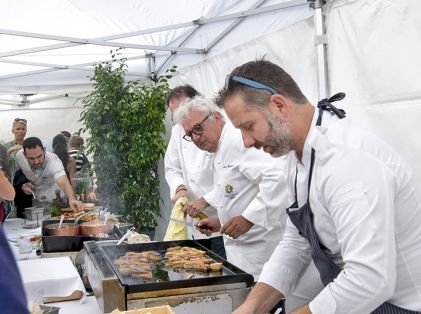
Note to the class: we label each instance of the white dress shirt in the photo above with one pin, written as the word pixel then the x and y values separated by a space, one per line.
pixel 188 165
pixel 45 178
pixel 250 183
pixel 366 213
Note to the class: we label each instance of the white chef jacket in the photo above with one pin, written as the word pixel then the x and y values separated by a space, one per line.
pixel 366 213
pixel 250 183
pixel 45 178
pixel 188 165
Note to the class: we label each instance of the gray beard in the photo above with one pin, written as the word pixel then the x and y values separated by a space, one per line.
pixel 279 136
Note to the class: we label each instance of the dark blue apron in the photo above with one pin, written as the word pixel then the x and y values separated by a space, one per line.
pixel 302 218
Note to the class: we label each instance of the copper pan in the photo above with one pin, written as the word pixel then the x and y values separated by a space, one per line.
pixel 66 229
pixel 92 228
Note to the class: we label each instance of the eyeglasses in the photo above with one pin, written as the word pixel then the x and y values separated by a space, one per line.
pixel 249 83
pixel 197 129
pixel 19 119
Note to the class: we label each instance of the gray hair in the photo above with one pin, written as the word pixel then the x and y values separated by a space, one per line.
pixel 198 103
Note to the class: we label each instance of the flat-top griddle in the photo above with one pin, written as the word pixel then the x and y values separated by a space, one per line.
pixel 167 278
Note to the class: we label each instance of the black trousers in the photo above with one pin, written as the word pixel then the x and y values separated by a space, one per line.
pixel 215 244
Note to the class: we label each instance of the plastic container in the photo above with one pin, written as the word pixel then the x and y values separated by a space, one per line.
pixel 34 213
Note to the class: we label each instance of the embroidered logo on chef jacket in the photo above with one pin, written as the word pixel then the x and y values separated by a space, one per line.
pixel 229 191
pixel 227 166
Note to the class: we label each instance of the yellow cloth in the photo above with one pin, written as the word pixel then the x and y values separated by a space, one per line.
pixel 177 231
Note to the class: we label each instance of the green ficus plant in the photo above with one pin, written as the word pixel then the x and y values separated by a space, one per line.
pixel 126 121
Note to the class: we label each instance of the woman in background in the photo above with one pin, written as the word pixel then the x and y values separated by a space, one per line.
pixel 60 149
pixel 19 132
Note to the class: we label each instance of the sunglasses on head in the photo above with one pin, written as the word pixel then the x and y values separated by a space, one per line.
pixel 248 82
pixel 19 119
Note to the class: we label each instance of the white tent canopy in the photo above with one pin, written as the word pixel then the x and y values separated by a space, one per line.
pixel 55 43
pixel 373 52
pixel 49 48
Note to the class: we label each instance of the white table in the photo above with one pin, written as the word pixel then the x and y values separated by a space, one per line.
pixel 13 229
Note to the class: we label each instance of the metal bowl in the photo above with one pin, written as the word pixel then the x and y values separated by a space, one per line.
pixel 66 229
pixel 94 229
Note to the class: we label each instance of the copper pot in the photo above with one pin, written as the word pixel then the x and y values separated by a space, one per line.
pixel 94 229
pixel 66 229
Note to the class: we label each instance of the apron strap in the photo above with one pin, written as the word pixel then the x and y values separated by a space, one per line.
pixel 325 105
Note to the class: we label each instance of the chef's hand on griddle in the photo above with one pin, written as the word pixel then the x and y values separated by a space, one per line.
pixel 236 226
pixel 193 208
pixel 208 225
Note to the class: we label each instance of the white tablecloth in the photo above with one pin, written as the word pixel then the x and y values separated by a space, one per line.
pixel 13 229
pixel 54 277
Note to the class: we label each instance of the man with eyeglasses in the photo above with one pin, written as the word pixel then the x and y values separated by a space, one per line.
pixel 45 173
pixel 355 210
pixel 188 171
pixel 248 188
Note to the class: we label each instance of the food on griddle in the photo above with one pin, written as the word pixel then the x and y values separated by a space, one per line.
pixel 151 255
pixel 149 265
pixel 196 266
pixel 134 264
pixel 189 258
pixel 125 271
pixel 215 266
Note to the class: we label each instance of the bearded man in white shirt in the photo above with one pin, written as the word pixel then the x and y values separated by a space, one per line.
pixel 248 190
pixel 188 170
pixel 45 173
pixel 355 209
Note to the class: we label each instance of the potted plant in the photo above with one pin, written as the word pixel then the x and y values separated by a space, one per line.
pixel 126 124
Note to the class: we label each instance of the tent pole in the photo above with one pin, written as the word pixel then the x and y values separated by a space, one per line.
pixel 320 41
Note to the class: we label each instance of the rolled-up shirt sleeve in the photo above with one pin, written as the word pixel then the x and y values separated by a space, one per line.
pixel 288 262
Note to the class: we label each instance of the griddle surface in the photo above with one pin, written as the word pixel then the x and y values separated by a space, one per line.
pixel 176 279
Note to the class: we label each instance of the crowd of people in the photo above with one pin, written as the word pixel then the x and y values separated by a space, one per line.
pixel 37 175
pixel 283 182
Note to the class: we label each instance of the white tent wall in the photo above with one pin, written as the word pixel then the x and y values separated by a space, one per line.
pixel 374 51
pixel 291 47
pixel 45 119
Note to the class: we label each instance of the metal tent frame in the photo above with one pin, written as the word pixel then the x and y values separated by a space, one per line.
pixel 154 52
